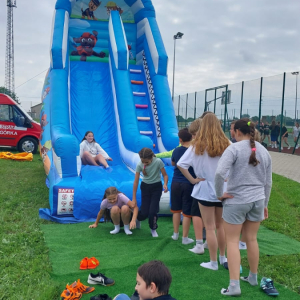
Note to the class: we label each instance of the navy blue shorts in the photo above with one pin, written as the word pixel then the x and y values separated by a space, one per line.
pixel 181 199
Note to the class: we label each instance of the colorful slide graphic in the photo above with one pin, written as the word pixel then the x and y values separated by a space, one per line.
pixel 108 74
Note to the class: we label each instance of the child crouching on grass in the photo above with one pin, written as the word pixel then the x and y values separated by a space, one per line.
pixel 118 208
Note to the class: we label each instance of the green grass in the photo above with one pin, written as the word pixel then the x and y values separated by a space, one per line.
pixel 26 271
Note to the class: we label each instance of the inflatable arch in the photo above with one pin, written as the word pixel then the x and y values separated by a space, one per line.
pixel 108 74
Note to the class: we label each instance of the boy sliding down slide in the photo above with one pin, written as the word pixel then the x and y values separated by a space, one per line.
pixel 153 281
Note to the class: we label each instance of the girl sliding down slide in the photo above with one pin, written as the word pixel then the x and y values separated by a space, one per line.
pixel 91 153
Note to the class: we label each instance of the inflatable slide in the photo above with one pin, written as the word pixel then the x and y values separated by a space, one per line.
pixel 108 74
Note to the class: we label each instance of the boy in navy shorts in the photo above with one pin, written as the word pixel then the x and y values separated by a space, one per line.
pixel 181 190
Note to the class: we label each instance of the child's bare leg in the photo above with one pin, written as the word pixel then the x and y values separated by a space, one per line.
pixel 186 223
pixel 88 159
pixel 176 223
pixel 101 160
pixel 220 234
pixel 125 215
pixel 115 216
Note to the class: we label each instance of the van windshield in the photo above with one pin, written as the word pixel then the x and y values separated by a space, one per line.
pixel 24 112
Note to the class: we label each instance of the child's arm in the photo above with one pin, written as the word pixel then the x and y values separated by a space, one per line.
pixel 134 217
pixel 166 178
pixel 131 204
pixel 99 216
pixel 135 186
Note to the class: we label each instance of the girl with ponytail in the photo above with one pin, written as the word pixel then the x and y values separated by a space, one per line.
pixel 151 188
pixel 245 203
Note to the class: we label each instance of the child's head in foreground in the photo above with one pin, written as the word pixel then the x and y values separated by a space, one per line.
pixel 153 279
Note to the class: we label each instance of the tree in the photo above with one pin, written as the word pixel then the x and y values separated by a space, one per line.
pixel 5 91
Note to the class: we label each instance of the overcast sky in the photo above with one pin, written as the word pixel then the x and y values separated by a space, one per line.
pixel 225 41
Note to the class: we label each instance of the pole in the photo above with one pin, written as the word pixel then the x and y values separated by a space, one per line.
pixel 260 99
pixel 215 101
pixel 225 112
pixel 296 98
pixel 205 104
pixel 186 108
pixel 282 107
pixel 242 99
pixel 173 71
pixel 178 108
pixel 195 106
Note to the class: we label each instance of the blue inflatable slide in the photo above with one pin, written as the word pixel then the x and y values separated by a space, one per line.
pixel 108 74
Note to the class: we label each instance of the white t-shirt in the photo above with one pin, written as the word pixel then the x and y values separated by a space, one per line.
pixel 296 131
pixel 93 148
pixel 204 167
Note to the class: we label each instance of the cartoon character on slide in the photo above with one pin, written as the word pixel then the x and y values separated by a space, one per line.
pixel 89 12
pixel 43 152
pixel 44 122
pixel 87 42
pixel 113 6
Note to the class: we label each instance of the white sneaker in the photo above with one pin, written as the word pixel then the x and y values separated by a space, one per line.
pixel 297 146
pixel 281 148
pixel 289 147
pixel 187 240
pixel 242 246
pixel 205 246
pixel 198 249
pixel 275 146
pixel 272 146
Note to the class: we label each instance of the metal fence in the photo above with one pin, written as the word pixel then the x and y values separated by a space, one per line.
pixel 263 100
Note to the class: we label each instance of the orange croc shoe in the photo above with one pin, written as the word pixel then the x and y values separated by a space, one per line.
pixel 93 263
pixel 78 287
pixel 68 295
pixel 84 264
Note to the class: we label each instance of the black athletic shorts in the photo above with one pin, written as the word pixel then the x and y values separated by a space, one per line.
pixel 195 210
pixel 181 199
pixel 210 204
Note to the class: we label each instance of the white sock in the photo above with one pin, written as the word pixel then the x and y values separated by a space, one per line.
pixel 154 233
pixel 222 259
pixel 212 265
pixel 116 230
pixel 126 229
pixel 107 167
pixel 186 240
pixel 175 236
pixel 199 242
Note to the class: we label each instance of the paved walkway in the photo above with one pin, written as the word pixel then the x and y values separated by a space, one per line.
pixel 286 165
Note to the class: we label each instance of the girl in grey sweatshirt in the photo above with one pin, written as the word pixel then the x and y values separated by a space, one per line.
pixel 246 199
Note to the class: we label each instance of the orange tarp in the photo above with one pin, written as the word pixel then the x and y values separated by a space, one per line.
pixel 24 156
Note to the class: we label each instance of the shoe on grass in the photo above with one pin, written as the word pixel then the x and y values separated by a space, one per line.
pixel 93 263
pixel 198 249
pixel 83 264
pixel 225 265
pixel 100 279
pixel 101 297
pixel 266 284
pixel 78 287
pixel 68 295
pixel 205 245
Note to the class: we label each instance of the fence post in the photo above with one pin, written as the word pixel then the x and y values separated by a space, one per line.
pixel 186 108
pixel 195 106
pixel 225 112
pixel 260 99
pixel 178 109
pixel 215 101
pixel 242 99
pixel 282 107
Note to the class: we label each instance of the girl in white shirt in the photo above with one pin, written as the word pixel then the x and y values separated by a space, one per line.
pixel 203 156
pixel 91 153
pixel 296 130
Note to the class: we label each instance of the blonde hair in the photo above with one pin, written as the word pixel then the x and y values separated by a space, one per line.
pixel 195 126
pixel 210 137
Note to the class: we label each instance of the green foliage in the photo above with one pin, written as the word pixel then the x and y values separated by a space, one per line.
pixel 13 95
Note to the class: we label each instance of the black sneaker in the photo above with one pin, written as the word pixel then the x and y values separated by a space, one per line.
pixel 266 284
pixel 100 279
pixel 101 297
pixel 135 296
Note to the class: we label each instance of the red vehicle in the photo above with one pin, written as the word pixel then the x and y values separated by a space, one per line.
pixel 17 128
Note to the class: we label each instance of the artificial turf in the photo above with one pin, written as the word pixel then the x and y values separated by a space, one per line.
pixel 120 256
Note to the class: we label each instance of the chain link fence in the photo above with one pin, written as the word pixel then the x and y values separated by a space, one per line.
pixel 266 99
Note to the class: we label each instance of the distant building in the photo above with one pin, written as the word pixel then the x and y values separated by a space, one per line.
pixel 36 111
